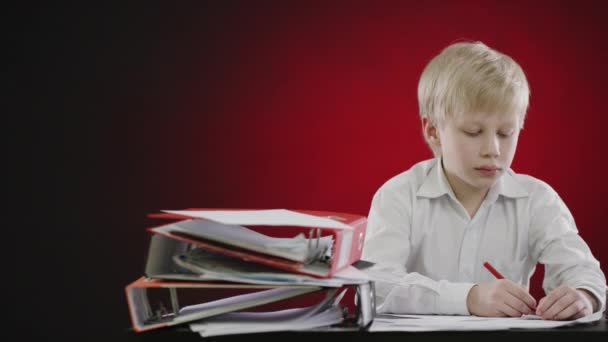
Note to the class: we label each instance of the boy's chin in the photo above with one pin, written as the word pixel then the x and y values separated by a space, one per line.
pixel 485 183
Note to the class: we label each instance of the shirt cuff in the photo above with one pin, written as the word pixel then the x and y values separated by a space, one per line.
pixel 453 298
pixel 601 301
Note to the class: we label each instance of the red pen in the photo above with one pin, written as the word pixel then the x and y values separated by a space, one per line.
pixel 493 270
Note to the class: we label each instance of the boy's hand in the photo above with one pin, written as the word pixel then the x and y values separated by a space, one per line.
pixel 565 303
pixel 500 298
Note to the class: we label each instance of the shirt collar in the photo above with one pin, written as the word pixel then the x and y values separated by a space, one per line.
pixel 507 186
pixel 436 184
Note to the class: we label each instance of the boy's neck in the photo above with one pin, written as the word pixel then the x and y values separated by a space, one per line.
pixel 470 197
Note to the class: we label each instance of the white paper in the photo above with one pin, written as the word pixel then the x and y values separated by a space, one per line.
pixel 352 275
pixel 270 217
pixel 262 322
pixel 222 268
pixel 440 322
pixel 318 315
pixel 297 248
pixel 239 302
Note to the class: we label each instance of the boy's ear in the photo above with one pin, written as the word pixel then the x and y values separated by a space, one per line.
pixel 430 130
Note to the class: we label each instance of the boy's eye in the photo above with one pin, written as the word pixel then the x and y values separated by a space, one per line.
pixel 472 133
pixel 504 135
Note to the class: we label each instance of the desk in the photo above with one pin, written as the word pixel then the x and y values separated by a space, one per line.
pixel 597 331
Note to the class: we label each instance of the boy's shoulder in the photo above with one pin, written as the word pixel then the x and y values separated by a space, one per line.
pixel 543 201
pixel 410 179
pixel 398 192
pixel 535 187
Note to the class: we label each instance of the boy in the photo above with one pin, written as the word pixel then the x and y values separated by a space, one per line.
pixel 431 228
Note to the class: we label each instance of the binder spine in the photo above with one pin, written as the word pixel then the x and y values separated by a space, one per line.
pixel 366 304
pixel 364 311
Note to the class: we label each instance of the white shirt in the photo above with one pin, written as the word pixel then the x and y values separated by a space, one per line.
pixel 429 252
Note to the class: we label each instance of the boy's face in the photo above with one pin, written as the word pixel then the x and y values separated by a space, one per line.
pixel 477 148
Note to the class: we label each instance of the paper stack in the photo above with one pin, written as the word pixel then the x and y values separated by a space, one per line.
pixel 248 271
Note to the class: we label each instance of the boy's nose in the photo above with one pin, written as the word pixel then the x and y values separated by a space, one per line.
pixel 491 147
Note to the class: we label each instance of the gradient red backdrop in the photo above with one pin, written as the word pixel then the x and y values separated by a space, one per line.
pixel 307 105
pixel 314 107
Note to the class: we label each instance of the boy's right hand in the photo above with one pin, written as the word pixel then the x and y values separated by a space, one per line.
pixel 500 298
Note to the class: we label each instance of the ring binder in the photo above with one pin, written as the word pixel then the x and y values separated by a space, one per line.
pixel 326 315
pixel 324 251
pixel 314 253
pixel 145 317
pixel 237 251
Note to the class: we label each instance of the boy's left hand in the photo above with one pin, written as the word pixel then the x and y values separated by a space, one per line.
pixel 566 303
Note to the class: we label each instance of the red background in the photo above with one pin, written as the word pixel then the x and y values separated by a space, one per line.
pixel 315 106
pixel 307 105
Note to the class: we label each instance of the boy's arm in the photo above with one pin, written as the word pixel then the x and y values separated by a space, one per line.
pixel 388 245
pixel 555 242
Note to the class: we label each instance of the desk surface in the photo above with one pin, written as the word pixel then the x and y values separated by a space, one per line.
pixel 594 331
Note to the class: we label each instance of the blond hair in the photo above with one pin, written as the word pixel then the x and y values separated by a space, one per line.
pixel 470 77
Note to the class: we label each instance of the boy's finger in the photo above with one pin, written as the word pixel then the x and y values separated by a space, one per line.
pixel 523 295
pixel 558 306
pixel 550 299
pixel 517 304
pixel 509 310
pixel 540 304
pixel 571 311
pixel 546 305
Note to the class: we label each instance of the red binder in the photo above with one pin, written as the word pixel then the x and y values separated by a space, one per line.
pixel 347 232
pixel 156 303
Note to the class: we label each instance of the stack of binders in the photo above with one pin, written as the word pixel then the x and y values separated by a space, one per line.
pixel 238 271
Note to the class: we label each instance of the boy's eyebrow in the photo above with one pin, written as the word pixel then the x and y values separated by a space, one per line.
pixel 471 122
pixel 478 122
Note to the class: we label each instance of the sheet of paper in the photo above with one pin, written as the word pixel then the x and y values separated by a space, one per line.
pixel 215 267
pixel 352 275
pixel 239 302
pixel 298 248
pixel 322 314
pixel 270 217
pixel 260 322
pixel 439 322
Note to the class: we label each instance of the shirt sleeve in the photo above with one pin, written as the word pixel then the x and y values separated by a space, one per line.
pixel 387 244
pixel 555 242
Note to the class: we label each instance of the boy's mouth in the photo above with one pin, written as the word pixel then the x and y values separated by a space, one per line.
pixel 488 171
pixel 488 168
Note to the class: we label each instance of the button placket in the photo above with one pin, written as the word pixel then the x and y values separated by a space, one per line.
pixel 470 245
pixel 467 254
